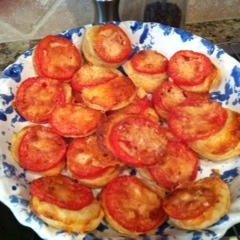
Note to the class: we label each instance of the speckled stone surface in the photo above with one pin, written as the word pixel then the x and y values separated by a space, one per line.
pixel 11 50
pixel 216 31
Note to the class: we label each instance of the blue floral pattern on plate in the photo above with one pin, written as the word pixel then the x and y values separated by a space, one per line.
pixel 14 181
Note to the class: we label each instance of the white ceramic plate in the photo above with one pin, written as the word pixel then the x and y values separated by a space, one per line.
pixel 14 181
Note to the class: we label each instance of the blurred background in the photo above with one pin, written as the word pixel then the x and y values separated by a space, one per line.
pixel 33 19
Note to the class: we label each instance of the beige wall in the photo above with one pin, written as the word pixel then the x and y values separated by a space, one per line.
pixel 32 19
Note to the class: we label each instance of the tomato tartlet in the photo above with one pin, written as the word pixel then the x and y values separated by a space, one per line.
pixel 39 149
pixel 131 207
pixel 91 75
pixel 198 205
pixel 89 164
pixel 193 71
pixel 106 45
pixel 57 57
pixel 111 95
pixel 65 204
pixel 147 69
pixel 75 120
pixel 197 118
pixel 138 141
pixel 135 139
pixel 222 145
pixel 37 97
pixel 179 165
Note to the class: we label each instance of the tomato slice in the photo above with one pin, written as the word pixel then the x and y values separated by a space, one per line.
pixel 133 205
pixel 75 120
pixel 57 57
pixel 37 97
pixel 189 68
pixel 166 97
pixel 86 160
pixel 91 75
pixel 197 118
pixel 111 95
pixel 189 202
pixel 150 62
pixel 62 191
pixel 178 165
pixel 112 44
pixel 41 149
pixel 138 141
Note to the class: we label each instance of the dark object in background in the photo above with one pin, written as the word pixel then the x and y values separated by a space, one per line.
pixel 106 10
pixel 11 229
pixel 163 12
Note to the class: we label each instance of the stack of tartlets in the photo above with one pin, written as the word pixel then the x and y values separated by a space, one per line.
pixel 90 121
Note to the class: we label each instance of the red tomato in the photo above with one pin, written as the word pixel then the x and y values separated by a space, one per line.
pixel 138 141
pixel 57 57
pixel 112 44
pixel 189 68
pixel 41 149
pixel 133 205
pixel 197 118
pixel 91 75
pixel 75 120
pixel 189 202
pixel 178 165
pixel 37 97
pixel 150 62
pixel 62 191
pixel 166 97
pixel 86 160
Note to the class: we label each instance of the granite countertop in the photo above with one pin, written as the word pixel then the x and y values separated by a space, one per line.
pixel 216 31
